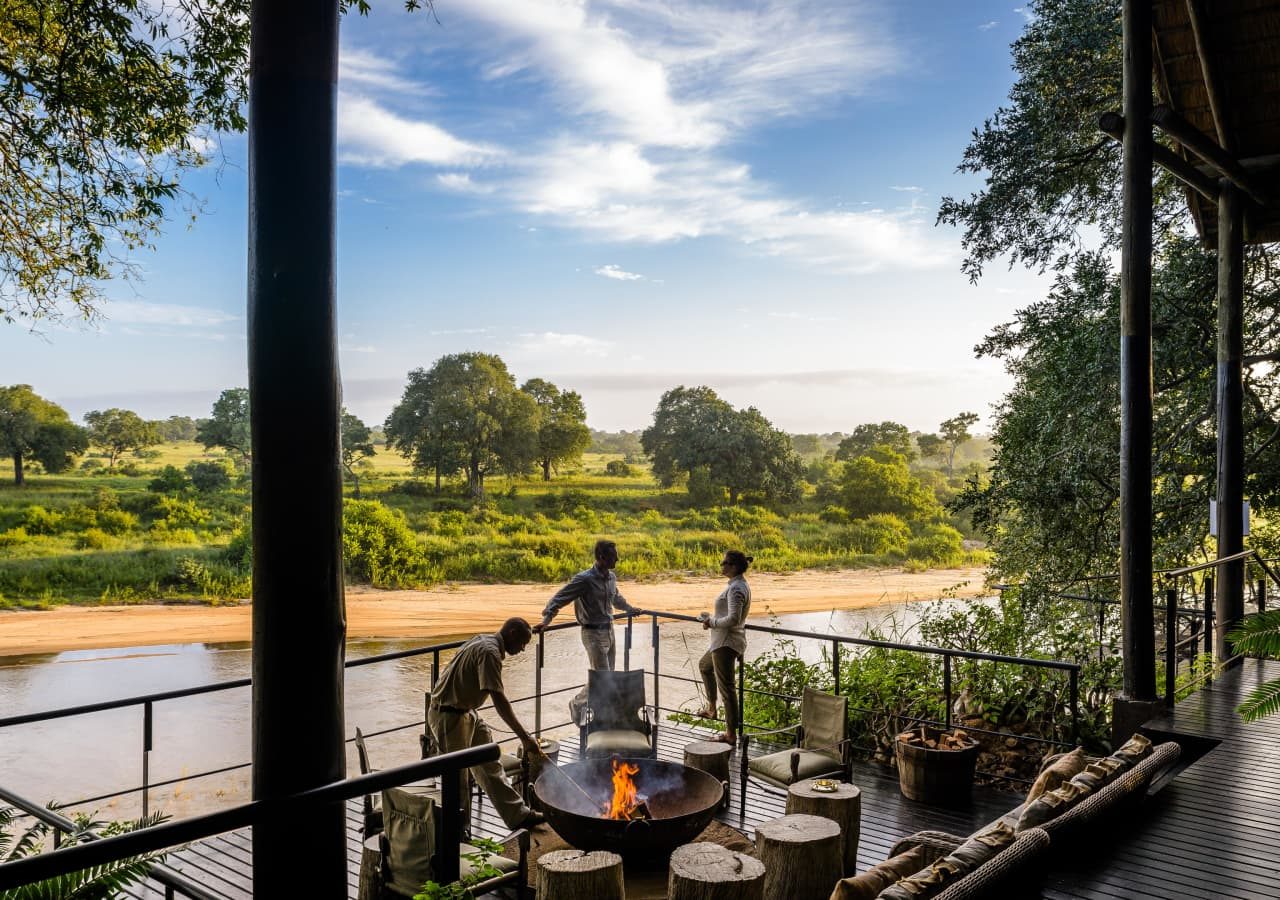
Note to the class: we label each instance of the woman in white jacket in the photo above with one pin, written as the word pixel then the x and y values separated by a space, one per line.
pixel 728 642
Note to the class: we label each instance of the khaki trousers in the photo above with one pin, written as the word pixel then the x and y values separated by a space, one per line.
pixel 602 651
pixel 459 731
pixel 716 667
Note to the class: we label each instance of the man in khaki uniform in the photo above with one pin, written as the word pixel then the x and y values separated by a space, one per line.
pixel 473 676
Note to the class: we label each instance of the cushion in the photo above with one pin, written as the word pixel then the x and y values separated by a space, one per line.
pixel 1058 772
pixel 1134 750
pixel 977 850
pixel 776 767
pixel 409 826
pixel 466 867
pixel 983 845
pixel 1096 775
pixel 609 741
pixel 869 884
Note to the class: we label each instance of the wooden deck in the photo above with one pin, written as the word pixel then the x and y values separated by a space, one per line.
pixel 1210 832
pixel 1207 833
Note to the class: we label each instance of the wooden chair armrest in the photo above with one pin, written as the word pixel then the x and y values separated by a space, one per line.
pixel 760 734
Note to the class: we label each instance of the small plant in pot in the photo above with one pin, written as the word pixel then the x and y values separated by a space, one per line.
pixel 936 766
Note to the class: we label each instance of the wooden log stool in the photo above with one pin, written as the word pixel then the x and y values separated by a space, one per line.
pixel 707 871
pixel 711 757
pixel 842 805
pixel 801 856
pixel 371 869
pixel 580 875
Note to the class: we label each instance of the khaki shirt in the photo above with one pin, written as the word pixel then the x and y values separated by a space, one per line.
pixel 474 673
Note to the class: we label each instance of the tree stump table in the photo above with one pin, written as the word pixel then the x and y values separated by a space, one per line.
pixel 843 805
pixel 801 856
pixel 706 871
pixel 371 869
pixel 580 875
pixel 711 757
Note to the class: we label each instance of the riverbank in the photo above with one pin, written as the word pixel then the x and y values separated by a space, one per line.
pixel 460 609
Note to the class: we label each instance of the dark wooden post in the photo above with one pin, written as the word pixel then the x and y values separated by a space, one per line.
pixel 1230 578
pixel 299 621
pixel 1135 361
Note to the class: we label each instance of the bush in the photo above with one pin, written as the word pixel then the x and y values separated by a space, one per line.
pixel 91 463
pixel 93 539
pixel 170 480
pixel 180 513
pixel 14 537
pixel 618 468
pixel 239 552
pixel 162 533
pixel 703 491
pixel 937 545
pixel 116 521
pixel 209 477
pixel 379 547
pixel 38 520
pixel 879 534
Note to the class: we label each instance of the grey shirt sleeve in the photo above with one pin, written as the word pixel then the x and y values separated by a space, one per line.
pixel 619 601
pixel 572 591
pixel 737 609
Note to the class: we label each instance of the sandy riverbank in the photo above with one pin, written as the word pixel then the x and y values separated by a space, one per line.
pixel 451 610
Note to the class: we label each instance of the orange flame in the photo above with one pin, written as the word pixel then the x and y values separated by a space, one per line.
pixel 625 800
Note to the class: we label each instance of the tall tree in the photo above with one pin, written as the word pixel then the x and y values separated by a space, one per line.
pixel 862 439
pixel 466 412
pixel 176 428
pixel 357 444
pixel 870 485
pixel 36 428
pixel 105 106
pixel 562 425
pixel 740 451
pixel 954 432
pixel 931 445
pixel 117 430
pixel 228 423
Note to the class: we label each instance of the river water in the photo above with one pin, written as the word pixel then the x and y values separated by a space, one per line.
pixel 71 759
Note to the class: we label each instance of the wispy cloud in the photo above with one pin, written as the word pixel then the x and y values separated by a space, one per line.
pixel 138 312
pixel 556 342
pixel 801 317
pixel 369 71
pixel 461 331
pixel 987 26
pixel 369 134
pixel 359 348
pixel 617 274
pixel 906 188
pixel 461 182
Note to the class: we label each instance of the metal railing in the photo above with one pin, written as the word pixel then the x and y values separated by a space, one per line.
pixel 171 834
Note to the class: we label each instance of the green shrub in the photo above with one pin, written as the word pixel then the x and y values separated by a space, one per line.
pixel 117 521
pixel 209 477
pixel 91 464
pixel 878 534
pixel 94 539
pixel 379 547
pixel 38 520
pixel 14 537
pixel 162 533
pixel 170 480
pixel 178 512
pixel 937 545
pixel 618 468
pixel 239 552
pixel 78 517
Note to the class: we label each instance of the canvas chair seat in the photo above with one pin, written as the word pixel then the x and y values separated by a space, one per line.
pixel 617 741
pixel 775 768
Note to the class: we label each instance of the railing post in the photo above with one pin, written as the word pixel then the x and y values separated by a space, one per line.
pixel 1262 594
pixel 1208 614
pixel 742 700
pixel 835 667
pixel 1102 624
pixel 146 755
pixel 1075 705
pixel 626 643
pixel 656 642
pixel 539 656
pixel 1170 644
pixel 946 688
pixel 446 859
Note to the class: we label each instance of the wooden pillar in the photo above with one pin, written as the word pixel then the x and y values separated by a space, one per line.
pixel 1135 361
pixel 1230 580
pixel 299 621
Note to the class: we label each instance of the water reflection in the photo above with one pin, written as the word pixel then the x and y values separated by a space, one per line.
pixel 87 756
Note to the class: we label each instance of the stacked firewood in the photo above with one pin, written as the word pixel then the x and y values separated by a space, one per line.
pixel 956 739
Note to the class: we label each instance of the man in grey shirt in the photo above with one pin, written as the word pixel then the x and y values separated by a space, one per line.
pixel 594 595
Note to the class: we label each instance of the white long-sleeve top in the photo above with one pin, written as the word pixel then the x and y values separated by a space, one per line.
pixel 732 607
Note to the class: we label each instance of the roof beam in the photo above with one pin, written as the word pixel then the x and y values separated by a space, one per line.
pixel 1204 147
pixel 1216 104
pixel 1112 124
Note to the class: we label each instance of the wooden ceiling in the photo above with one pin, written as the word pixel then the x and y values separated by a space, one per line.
pixel 1217 64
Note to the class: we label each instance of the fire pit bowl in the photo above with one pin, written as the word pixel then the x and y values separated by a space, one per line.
pixel 681 802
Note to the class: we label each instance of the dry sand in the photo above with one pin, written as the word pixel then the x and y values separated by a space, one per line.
pixel 451 610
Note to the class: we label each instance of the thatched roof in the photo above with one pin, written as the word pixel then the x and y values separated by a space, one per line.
pixel 1217 64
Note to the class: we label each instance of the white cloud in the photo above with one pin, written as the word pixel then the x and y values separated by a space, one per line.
pixel 359 348
pixel 461 183
pixel 461 331
pixel 369 134
pixel 556 343
pixel 373 72
pixel 802 317
pixel 138 312
pixel 987 26
pixel 906 188
pixel 617 274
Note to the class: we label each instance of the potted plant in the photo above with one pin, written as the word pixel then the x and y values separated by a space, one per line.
pixel 936 766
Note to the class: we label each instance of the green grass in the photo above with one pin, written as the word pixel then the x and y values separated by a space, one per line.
pixel 89 537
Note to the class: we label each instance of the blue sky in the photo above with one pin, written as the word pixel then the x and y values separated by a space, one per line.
pixel 621 197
